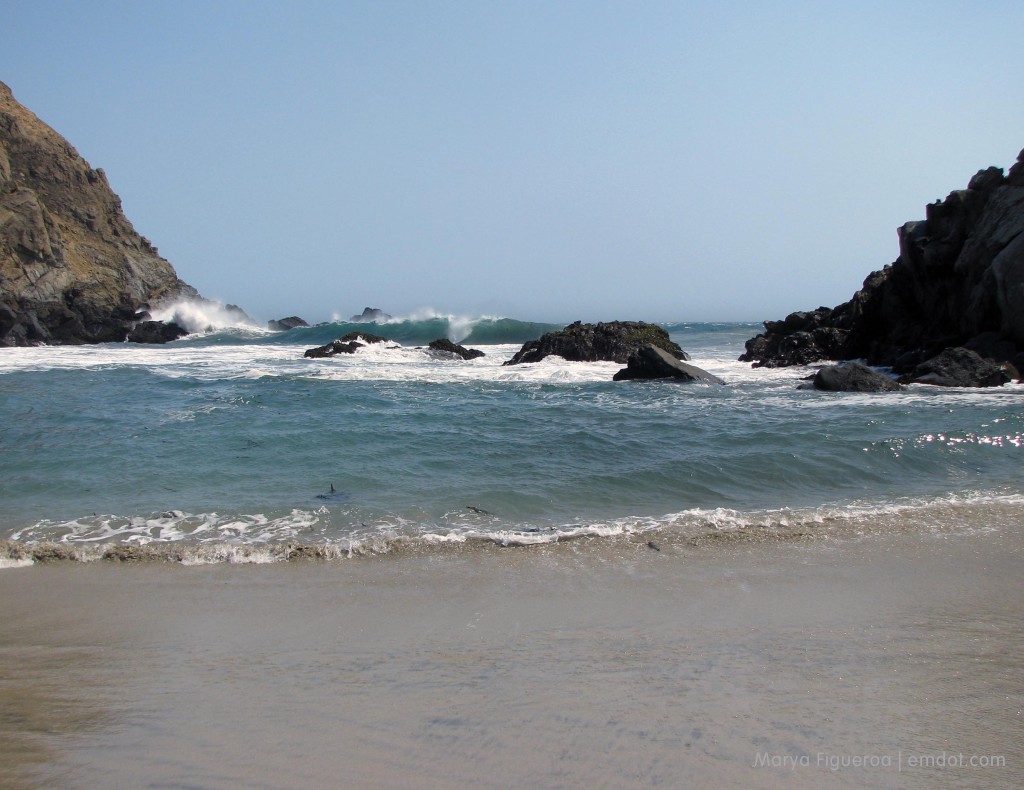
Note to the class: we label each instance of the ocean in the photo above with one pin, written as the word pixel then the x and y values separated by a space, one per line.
pixel 439 572
pixel 233 446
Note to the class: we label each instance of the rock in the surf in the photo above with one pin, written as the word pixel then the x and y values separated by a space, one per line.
pixel 446 347
pixel 346 344
pixel 651 362
pixel 613 341
pixel 853 377
pixel 958 367
pixel 156 332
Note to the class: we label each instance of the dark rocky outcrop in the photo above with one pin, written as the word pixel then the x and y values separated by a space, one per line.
pixel 346 344
pixel 368 315
pixel 332 348
pixel 800 339
pixel 445 346
pixel 853 377
pixel 958 281
pixel 609 342
pixel 284 324
pixel 72 267
pixel 156 332
pixel 958 367
pixel 651 362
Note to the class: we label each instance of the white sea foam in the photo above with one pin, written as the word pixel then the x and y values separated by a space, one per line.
pixel 392 362
pixel 16 562
pixel 176 526
pixel 203 316
pixel 256 539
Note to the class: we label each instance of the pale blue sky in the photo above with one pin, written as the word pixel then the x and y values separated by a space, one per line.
pixel 541 160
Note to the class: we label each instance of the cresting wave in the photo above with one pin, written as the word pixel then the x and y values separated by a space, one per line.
pixel 421 330
pixel 205 539
pixel 211 320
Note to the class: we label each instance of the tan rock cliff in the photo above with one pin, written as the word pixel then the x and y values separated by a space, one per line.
pixel 72 267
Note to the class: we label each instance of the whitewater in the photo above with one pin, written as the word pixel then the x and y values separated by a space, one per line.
pixel 229 445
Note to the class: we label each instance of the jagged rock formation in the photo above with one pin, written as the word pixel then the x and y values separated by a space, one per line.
pixel 72 267
pixel 958 281
pixel 609 342
pixel 650 362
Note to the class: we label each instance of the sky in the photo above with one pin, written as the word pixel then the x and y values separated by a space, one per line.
pixel 547 161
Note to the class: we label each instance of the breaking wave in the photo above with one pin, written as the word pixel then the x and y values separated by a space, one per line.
pixel 424 327
pixel 200 539
pixel 205 316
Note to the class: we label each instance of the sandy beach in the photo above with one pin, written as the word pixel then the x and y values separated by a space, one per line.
pixel 883 661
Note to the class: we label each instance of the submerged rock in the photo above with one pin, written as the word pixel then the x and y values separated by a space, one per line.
pixel 609 342
pixel 445 346
pixel 651 362
pixel 958 367
pixel 853 377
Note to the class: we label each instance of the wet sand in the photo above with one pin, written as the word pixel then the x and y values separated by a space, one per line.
pixel 885 661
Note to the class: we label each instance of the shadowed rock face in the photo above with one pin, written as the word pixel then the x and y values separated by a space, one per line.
pixel 958 281
pixel 72 267
pixel 650 362
pixel 608 342
pixel 958 367
pixel 853 377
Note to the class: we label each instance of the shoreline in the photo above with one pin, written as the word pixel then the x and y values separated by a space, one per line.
pixel 726 663
pixel 680 532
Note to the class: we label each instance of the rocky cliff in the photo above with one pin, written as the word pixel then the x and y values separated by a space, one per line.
pixel 72 267
pixel 958 281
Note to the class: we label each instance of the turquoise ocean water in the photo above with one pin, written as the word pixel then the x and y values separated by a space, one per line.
pixel 229 445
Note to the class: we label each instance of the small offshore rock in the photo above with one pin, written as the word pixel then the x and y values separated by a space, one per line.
pixel 651 362
pixel 331 349
pixel 284 324
pixel 446 346
pixel 346 344
pixel 853 377
pixel 369 315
